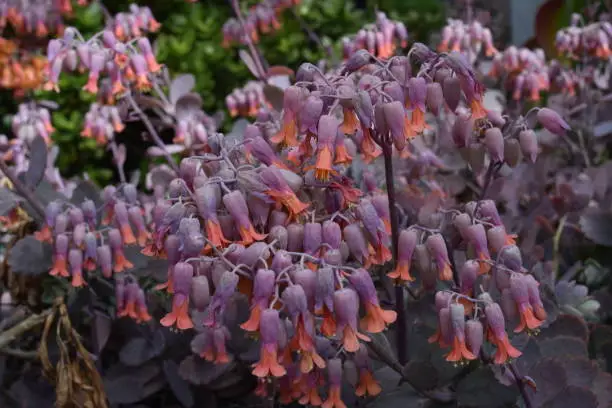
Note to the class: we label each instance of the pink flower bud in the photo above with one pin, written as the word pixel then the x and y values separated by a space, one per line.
pixel 451 89
pixel 357 61
pixel 511 258
pixel 496 236
pixel 462 130
pixel 331 234
pixel 254 254
pixel 200 292
pixel 528 142
pixel 435 97
pixel 488 211
pixel 313 236
pixel 437 248
pixel 278 233
pixel 310 114
pixel 395 119
pixel 467 276
pixel 325 287
pixel 105 260
pixel 474 336
pixel 270 326
pixel 294 298
pixel 494 142
pixel 552 121
pixel 295 237
pixel 281 261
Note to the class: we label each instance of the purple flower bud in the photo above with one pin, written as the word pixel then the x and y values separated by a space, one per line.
pixel 294 298
pixel 445 324
pixel 306 72
pixel 292 99
pixel 467 276
pixel 325 287
pixel 114 239
pixel 362 283
pixel 494 142
pixel 462 130
pixel 257 252
pixel 332 234
pixel 395 119
pixel 356 243
pixel 477 236
pixel 295 237
pixel 495 319
pixel 507 304
pixel 496 236
pixel 181 278
pixel 496 118
pixel 61 224
pixel 76 216
pixel 552 121
pixel 394 90
pixel 474 336
pixel 407 242
pixel 313 236
pixel 511 258
pixel 105 260
pixel 488 211
pixel 78 234
pixel 437 248
pixel 51 212
pixel 357 61
pixel 442 300
pixel 307 279
pixel 200 292
pixel 278 233
pixel 462 222
pixel 281 261
pixel 334 372
pixel 435 97
pixel 264 284
pixel 89 212
pixel 269 326
pixel 310 114
pixel 528 142
pixel 451 89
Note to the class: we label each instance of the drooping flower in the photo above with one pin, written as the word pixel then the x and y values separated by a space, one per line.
pixel 279 190
pixel 326 137
pixel 407 242
pixel 60 257
pixel 292 103
pixel 334 378
pixel 459 351
pixel 268 364
pixel 437 249
pixel 496 333
pixel 236 205
pixel 115 242
pixel 520 293
pixel 263 289
pixel 367 385
pixel 376 318
pixel 182 277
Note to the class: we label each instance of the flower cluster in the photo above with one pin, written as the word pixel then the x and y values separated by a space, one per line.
pixel 102 122
pixel 579 40
pixel 380 39
pixel 525 71
pixel 469 38
pixel 31 121
pixel 133 24
pixel 20 74
pixel 246 101
pixel 39 18
pixel 123 63
pixel 81 244
pixel 260 20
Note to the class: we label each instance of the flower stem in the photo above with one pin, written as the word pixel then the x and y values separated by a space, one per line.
pixel 521 385
pixel 154 135
pixel 387 148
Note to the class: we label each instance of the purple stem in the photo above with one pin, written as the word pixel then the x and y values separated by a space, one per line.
pixel 387 148
pixel 115 151
pixel 154 135
pixel 254 54
pixel 521 385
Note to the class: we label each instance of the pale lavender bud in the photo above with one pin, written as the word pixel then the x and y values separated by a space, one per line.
pixel 528 142
pixel 61 224
pixel 462 129
pixel 313 236
pixel 474 336
pixel 496 236
pixel 105 260
pixel 394 117
pixel 552 121
pixel 357 61
pixel 279 234
pixel 435 97
pixel 269 326
pixel 251 255
pixel 494 142
pixel 356 242
pixel 264 284
pixel 496 118
pixel 467 276
pixel 294 298
pixel 451 89
pixel 281 261
pixel 332 234
pixel 307 279
pixel 511 258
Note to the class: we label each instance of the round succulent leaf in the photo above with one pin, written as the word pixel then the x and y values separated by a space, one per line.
pixel 482 389
pixel 550 379
pixel 566 325
pixel 572 397
pixel 563 347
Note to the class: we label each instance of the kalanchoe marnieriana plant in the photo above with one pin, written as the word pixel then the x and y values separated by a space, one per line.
pixel 380 39
pixel 30 121
pixel 260 20
pixel 135 23
pixel 39 18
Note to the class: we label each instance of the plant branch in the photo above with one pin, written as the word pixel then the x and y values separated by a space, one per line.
pixel 115 151
pixel 399 290
pixel 254 53
pixel 521 385
pixel 24 191
pixel 151 129
pixel 10 335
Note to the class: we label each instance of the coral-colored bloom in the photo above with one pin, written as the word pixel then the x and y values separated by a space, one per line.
pixel 279 190
pixel 268 364
pixel 182 277
pixel 376 318
pixel 459 351
pixel 496 333
pixel 238 209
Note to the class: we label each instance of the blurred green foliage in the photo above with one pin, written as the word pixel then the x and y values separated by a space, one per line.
pixel 190 42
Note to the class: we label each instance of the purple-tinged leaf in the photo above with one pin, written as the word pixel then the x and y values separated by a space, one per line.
pixel 572 397
pixel 181 85
pixel 250 64
pixel 155 151
pixel 30 257
pixel 139 350
pixel 280 81
pixel 602 128
pixel 602 387
pixel 178 385
pixel 550 378
pixel 201 372
pixel 86 190
pixel 481 389
pixel 189 101
pixel 421 374
pixel 394 396
pixel 275 96
pixel 128 385
pixel 580 371
pixel 563 346
pixel 37 162
pixel 51 105
pixel 566 325
pixel 100 330
pixel 8 200
pixel 597 226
